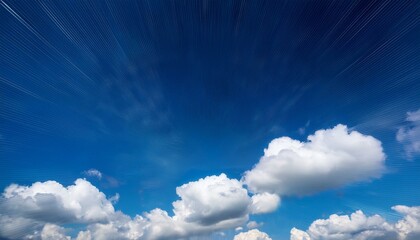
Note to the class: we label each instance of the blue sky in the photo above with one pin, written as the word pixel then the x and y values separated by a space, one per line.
pixel 157 94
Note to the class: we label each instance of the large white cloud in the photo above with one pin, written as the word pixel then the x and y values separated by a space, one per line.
pixel 52 202
pixel 358 226
pixel 211 200
pixel 253 234
pixel 207 205
pixel 24 210
pixel 409 135
pixel 210 204
pixel 330 158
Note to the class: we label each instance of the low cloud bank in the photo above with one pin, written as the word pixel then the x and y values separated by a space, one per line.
pixel 329 159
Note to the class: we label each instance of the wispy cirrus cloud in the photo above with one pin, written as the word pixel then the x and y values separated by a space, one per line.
pixel 93 173
pixel 409 134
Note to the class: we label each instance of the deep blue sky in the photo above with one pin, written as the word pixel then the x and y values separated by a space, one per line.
pixel 155 94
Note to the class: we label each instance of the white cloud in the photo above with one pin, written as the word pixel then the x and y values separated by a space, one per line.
pixel 302 130
pixel 114 199
pixel 409 226
pixel 409 135
pixel 93 173
pixel 264 203
pixel 358 226
pixel 296 234
pixel 120 227
pixel 413 116
pixel 211 204
pixel 330 158
pixel 355 226
pixel 24 210
pixel 253 234
pixel 52 202
pixel 208 205
pixel 53 232
pixel 156 225
pixel 211 200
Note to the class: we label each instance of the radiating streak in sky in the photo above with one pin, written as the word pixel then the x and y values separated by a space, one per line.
pixel 107 37
pixel 155 94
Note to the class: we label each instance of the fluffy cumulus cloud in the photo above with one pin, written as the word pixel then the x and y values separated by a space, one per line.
pixel 330 158
pixel 52 202
pixel 296 234
pixel 211 204
pixel 208 205
pixel 24 210
pixel 120 227
pixel 253 234
pixel 264 203
pixel 355 226
pixel 409 135
pixel 199 200
pixel 362 227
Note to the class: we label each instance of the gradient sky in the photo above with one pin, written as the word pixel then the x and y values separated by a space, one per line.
pixel 156 94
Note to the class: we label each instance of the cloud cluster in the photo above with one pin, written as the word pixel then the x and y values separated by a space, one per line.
pixel 25 209
pixel 253 234
pixel 409 135
pixel 329 159
pixel 361 227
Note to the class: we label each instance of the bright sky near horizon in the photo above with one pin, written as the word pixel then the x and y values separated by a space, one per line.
pixel 219 119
